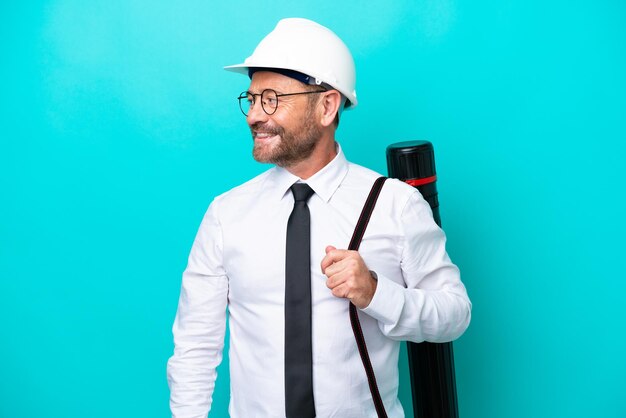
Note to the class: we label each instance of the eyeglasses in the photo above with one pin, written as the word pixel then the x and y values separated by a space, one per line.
pixel 269 100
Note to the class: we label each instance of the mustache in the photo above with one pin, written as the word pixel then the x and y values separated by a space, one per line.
pixel 266 128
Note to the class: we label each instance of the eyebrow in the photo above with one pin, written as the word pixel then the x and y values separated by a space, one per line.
pixel 277 91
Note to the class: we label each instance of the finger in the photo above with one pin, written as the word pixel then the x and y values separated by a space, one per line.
pixel 326 262
pixel 337 279
pixel 335 268
pixel 333 256
pixel 353 265
pixel 340 291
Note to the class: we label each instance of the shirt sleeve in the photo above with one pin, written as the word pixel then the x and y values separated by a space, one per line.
pixel 200 324
pixel 433 305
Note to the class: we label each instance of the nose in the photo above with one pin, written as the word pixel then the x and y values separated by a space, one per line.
pixel 256 114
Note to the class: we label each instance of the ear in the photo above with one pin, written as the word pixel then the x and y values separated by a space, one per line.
pixel 330 102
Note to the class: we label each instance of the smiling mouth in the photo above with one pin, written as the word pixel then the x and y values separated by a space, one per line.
pixel 262 135
pixel 264 132
pixel 259 136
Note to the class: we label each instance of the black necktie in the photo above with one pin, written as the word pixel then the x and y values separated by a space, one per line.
pixel 298 352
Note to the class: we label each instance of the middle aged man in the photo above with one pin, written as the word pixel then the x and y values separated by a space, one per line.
pixel 297 358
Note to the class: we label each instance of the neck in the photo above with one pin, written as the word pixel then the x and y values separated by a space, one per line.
pixel 323 154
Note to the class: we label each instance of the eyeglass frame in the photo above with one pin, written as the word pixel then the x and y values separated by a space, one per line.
pixel 245 94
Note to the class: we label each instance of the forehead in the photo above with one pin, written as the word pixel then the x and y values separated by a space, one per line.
pixel 262 80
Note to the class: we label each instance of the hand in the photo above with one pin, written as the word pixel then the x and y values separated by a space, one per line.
pixel 348 276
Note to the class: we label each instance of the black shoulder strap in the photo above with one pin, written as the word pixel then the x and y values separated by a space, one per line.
pixel 366 214
pixel 355 242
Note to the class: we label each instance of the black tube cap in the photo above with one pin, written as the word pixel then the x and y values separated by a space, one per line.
pixel 411 160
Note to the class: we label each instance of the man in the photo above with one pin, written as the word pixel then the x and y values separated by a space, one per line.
pixel 401 280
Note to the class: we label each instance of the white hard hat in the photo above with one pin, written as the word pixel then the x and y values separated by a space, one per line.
pixel 306 47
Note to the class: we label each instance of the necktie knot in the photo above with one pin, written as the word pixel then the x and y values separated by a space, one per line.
pixel 301 192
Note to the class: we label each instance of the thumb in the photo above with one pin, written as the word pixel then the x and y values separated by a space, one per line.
pixel 327 261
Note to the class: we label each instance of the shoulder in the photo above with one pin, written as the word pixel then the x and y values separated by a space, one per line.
pixel 243 193
pixel 394 190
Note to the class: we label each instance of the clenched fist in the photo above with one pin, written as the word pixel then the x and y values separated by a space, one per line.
pixel 348 276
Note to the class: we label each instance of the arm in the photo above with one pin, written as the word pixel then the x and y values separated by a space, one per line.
pixel 434 305
pixel 200 324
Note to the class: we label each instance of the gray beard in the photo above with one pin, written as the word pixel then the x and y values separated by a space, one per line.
pixel 294 147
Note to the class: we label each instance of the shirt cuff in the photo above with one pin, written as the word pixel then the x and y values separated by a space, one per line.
pixel 388 301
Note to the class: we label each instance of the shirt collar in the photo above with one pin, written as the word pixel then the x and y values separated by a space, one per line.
pixel 324 183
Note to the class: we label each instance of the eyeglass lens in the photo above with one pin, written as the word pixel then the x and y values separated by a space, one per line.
pixel 269 101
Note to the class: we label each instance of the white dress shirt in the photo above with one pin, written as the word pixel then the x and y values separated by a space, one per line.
pixel 237 264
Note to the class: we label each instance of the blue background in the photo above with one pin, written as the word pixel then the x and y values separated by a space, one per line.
pixel 118 126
